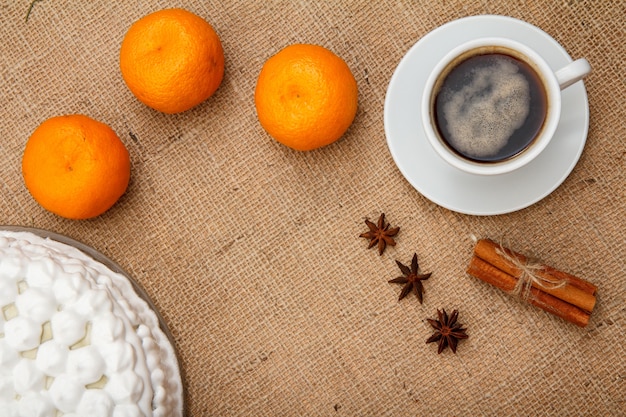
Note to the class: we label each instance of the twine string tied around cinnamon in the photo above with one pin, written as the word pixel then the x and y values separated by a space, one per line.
pixel 529 275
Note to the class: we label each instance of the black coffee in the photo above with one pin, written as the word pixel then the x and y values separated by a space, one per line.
pixel 490 107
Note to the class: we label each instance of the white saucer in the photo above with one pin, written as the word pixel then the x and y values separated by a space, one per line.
pixel 454 189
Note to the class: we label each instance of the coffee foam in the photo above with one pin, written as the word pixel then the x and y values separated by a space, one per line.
pixel 483 115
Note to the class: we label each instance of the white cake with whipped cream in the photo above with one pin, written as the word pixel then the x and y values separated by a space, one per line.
pixel 76 340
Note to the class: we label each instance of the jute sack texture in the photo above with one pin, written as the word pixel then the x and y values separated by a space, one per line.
pixel 250 250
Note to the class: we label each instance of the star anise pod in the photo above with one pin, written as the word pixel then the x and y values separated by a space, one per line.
pixel 380 234
pixel 447 331
pixel 412 280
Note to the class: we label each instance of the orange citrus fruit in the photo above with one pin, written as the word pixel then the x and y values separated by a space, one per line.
pixel 75 166
pixel 306 97
pixel 172 60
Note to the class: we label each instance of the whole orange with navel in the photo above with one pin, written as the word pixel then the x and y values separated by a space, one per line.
pixel 75 166
pixel 172 60
pixel 306 97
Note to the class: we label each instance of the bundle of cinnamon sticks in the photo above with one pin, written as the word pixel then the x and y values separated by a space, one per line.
pixel 563 294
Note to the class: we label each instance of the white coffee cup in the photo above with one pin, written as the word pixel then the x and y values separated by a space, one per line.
pixel 553 82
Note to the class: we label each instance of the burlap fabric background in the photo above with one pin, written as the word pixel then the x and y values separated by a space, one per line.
pixel 251 251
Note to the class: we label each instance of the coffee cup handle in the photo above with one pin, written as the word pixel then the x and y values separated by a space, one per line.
pixel 573 72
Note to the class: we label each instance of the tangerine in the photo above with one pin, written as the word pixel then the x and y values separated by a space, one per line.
pixel 75 167
pixel 306 97
pixel 172 60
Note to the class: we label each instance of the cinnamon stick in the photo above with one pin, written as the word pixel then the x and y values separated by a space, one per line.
pixel 584 285
pixel 576 291
pixel 500 279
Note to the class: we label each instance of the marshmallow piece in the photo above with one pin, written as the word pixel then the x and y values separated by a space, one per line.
pixel 52 358
pixel 11 268
pixel 9 408
pixel 106 328
pixel 85 364
pixel 92 303
pixel 68 327
pixel 36 405
pixel 117 356
pixel 68 287
pixel 27 377
pixel 22 333
pixel 36 304
pixel 40 273
pixel 125 387
pixel 95 403
pixel 7 390
pixel 8 355
pixel 66 393
pixel 8 291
